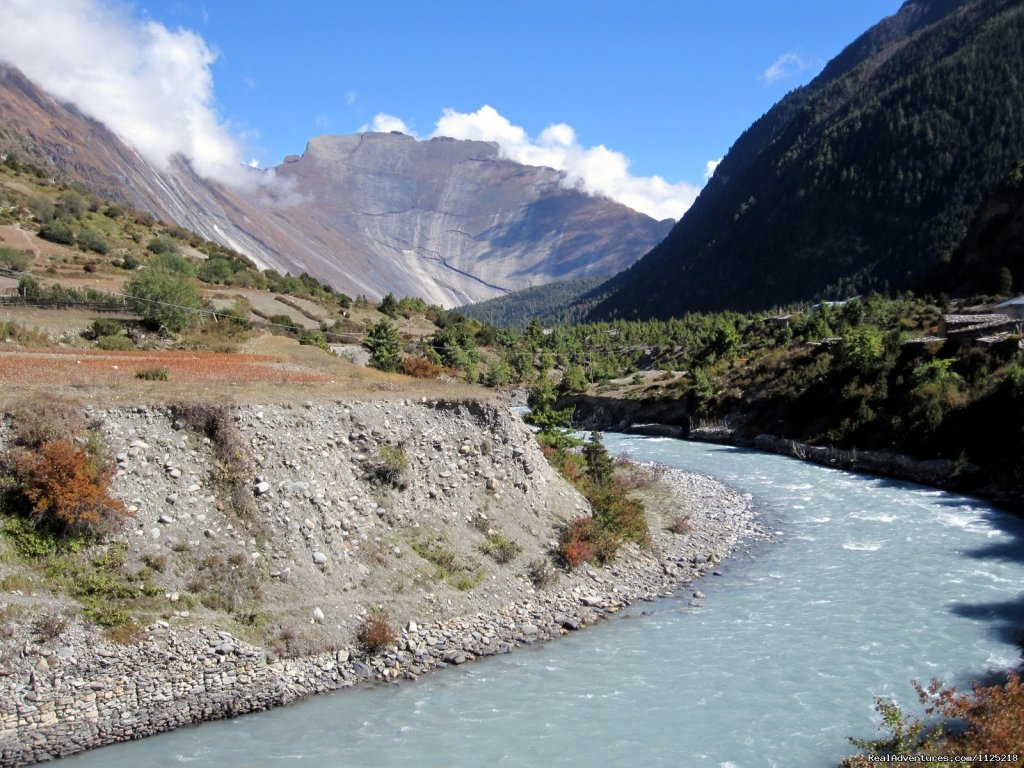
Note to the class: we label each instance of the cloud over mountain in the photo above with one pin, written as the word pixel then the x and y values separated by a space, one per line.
pixel 595 170
pixel 150 85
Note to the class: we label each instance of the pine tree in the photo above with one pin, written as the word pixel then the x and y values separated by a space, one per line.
pixel 385 346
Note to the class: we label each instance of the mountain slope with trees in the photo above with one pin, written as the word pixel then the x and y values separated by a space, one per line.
pixel 863 180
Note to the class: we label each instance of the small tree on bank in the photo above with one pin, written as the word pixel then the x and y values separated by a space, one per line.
pixel 384 345
pixel 164 298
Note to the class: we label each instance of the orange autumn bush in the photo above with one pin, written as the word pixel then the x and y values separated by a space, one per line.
pixel 989 720
pixel 67 489
pixel 576 544
pixel 419 367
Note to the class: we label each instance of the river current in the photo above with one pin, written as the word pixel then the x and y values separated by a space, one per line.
pixel 867 584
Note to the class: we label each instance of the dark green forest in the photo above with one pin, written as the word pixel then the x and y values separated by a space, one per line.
pixel 865 180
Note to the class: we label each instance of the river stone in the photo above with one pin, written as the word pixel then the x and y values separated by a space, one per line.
pixel 319 558
pixel 455 656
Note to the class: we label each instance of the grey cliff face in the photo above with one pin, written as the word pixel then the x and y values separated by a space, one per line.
pixel 447 220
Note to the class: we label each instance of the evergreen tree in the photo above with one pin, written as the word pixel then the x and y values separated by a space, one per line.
pixel 389 306
pixel 600 466
pixel 385 346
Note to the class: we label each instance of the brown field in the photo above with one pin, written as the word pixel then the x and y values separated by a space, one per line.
pixel 91 367
pixel 269 368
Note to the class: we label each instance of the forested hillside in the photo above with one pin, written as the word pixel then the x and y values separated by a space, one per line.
pixel 990 260
pixel 864 180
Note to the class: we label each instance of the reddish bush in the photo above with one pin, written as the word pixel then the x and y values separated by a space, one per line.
pixel 66 489
pixel 993 716
pixel 375 632
pixel 577 544
pixel 988 720
pixel 419 367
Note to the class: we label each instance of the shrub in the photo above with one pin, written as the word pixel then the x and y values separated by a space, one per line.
pixel 156 562
pixel 14 259
pixel 314 339
pixel 104 326
pixel 29 287
pixel 988 720
pixel 419 368
pixel 30 539
pixel 37 421
pixel 163 244
pixel 576 543
pixel 170 261
pixel 283 324
pixel 215 270
pixel 619 516
pixel 500 548
pixel 232 472
pixel 49 626
pixel 67 489
pixel 541 574
pixel 375 632
pixel 57 231
pixel 680 524
pixel 118 343
pixel 29 337
pixel 228 583
pixel 163 373
pixel 389 467
pixel 91 240
pixel 71 203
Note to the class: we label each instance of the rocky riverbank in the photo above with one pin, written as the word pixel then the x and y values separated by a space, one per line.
pixel 669 418
pixel 330 546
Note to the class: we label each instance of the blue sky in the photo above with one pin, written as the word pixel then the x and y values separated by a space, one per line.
pixel 664 86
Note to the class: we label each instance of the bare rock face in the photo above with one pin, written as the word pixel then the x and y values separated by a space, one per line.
pixel 447 220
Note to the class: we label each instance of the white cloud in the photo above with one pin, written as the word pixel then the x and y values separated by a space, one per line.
pixel 384 123
pixel 709 168
pixel 149 85
pixel 596 170
pixel 786 66
pixel 351 97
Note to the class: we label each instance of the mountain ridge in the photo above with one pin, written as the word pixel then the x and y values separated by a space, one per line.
pixel 446 220
pixel 859 181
